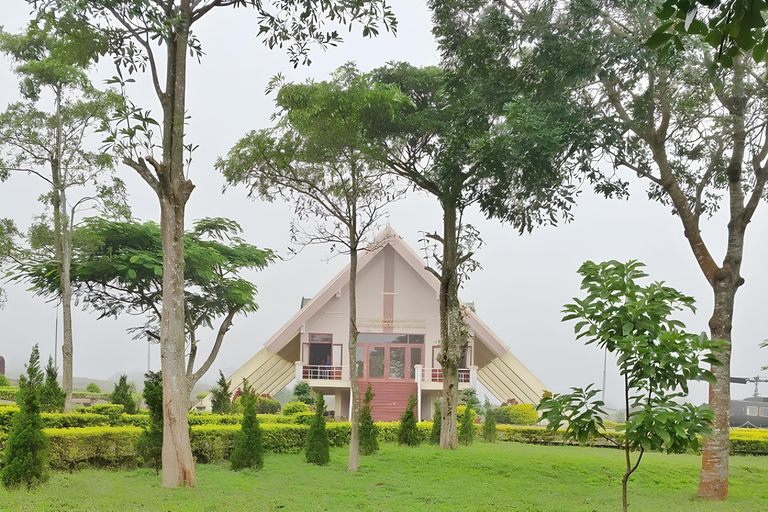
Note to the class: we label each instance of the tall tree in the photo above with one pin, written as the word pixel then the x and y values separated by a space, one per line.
pixel 136 28
pixel 117 269
pixel 51 145
pixel 319 158
pixel 9 235
pixel 486 132
pixel 697 133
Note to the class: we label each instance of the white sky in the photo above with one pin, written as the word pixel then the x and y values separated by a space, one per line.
pixel 519 292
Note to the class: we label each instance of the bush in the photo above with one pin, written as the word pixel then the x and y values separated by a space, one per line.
pixel 93 388
pixel 467 425
pixel 521 414
pixel 303 418
pixel 292 408
pixel 112 411
pixel 122 395
pixel 303 393
pixel 221 397
pixel 52 397
pixel 408 433
pixel 93 447
pixel 316 449
pixel 437 422
pixel 8 393
pixel 247 451
pixel 149 446
pixel 4 382
pixel 489 424
pixel 369 443
pixel 268 405
pixel 460 414
pixel 26 451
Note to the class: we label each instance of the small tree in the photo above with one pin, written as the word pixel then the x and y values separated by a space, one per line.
pixel 408 433
pixel 469 397
pixel 150 443
pixel 655 358
pixel 221 396
pixel 122 395
pixel 248 450
pixel 467 425
pixel 4 381
pixel 437 422
pixel 52 397
pixel 93 388
pixel 369 443
pixel 317 449
pixel 25 458
pixel 489 424
pixel 303 393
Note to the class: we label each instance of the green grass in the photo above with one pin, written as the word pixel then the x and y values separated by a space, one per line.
pixel 502 476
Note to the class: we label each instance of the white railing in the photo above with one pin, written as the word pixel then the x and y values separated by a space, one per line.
pixel 321 372
pixel 466 375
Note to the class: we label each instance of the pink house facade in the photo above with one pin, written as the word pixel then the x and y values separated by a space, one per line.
pixel 398 320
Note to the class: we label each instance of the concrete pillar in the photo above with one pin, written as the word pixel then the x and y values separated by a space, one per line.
pixel 299 371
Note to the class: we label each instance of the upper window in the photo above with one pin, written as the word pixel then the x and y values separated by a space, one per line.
pixel 751 410
pixel 321 338
pixel 377 338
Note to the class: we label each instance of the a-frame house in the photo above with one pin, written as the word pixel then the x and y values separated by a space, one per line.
pixel 398 320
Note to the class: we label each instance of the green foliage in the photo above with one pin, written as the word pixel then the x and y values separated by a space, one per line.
pixel 221 397
pixel 369 443
pixel 489 424
pixel 520 414
pixel 408 433
pixel 461 409
pixel 302 393
pixel 292 408
pixel 4 382
pixel 268 405
pixel 122 395
pixel 93 388
pixel 52 397
pixel 149 446
pixel 8 393
pixel 655 356
pixel 316 449
pixel 93 447
pixel 466 425
pixel 26 451
pixel 303 418
pixel 248 451
pixel 469 397
pixel 437 421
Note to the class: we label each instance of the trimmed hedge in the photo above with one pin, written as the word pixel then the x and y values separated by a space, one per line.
pixel 520 414
pixel 8 393
pixel 114 447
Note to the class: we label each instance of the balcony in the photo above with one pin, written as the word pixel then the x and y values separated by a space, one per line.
pixel 323 375
pixel 432 378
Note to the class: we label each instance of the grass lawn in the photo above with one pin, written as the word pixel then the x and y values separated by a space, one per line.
pixel 502 476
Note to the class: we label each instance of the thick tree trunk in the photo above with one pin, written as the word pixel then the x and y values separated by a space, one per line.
pixel 178 463
pixel 354 441
pixel 713 480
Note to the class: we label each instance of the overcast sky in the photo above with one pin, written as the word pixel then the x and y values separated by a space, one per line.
pixel 519 292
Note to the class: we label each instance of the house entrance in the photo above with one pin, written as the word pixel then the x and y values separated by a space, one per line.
pixel 389 356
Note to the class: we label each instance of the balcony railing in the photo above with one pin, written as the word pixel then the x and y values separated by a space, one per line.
pixel 437 375
pixel 322 372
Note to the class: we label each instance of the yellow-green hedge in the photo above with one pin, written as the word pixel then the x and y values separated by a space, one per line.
pixel 76 448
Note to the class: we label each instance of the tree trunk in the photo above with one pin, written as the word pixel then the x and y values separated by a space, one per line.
pixel 354 441
pixel 713 480
pixel 178 463
pixel 63 253
pixel 452 343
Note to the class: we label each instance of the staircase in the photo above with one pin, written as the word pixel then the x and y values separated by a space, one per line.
pixel 390 400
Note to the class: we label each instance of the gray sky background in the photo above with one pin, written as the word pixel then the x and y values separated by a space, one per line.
pixel 519 292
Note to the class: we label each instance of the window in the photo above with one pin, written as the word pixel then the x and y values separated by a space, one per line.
pixel 379 338
pixel 764 412
pixel 752 410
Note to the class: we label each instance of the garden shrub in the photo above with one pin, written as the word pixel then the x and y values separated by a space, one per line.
pixel 437 422
pixel 93 447
pixel 489 424
pixel 369 443
pixel 408 433
pixel 303 393
pixel 460 414
pixel 467 425
pixel 292 408
pixel 4 382
pixel 149 446
pixel 316 447
pixel 520 414
pixel 8 393
pixel 93 388
pixel 303 418
pixel 247 450
pixel 268 405
pixel 52 397
pixel 221 397
pixel 26 450
pixel 112 411
pixel 122 395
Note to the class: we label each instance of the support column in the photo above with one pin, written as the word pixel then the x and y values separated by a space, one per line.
pixel 299 371
pixel 473 377
pixel 419 376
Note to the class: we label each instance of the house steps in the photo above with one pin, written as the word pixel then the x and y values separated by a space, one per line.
pixel 390 400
